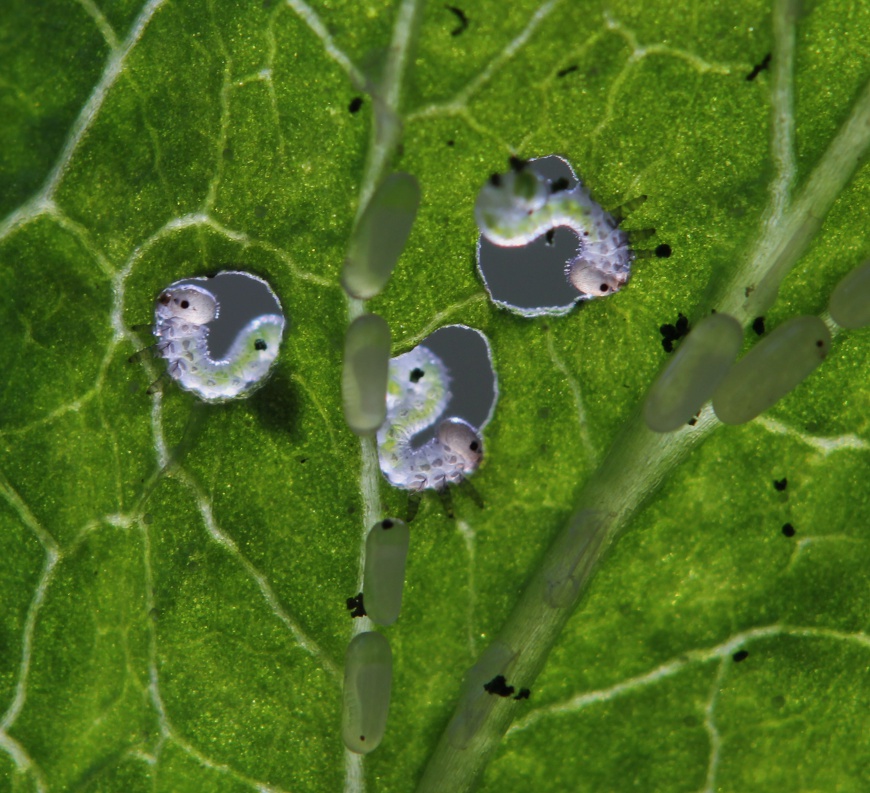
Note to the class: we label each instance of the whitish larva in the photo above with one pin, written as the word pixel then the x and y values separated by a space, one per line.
pixel 850 301
pixel 181 317
pixel 364 373
pixel 384 576
pixel 417 395
pixel 368 677
pixel 694 373
pixel 380 236
pixel 517 207
pixel 771 369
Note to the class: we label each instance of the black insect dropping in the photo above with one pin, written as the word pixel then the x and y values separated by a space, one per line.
pixel 788 529
pixel 671 333
pixel 663 251
pixel 386 523
pixel 523 693
pixel 740 655
pixel 780 484
pixel 463 20
pixel 759 68
pixel 758 325
pixel 498 686
pixel 355 104
pixel 355 606
pixel 451 143
pixel 567 70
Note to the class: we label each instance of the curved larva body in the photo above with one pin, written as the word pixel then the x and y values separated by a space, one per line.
pixel 771 369
pixel 364 373
pixel 850 301
pixel 368 676
pixel 515 208
pixel 418 391
pixel 384 577
pixel 181 318
pixel 695 372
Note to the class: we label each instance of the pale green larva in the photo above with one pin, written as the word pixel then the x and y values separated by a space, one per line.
pixel 474 700
pixel 368 676
pixel 364 373
pixel 850 301
pixel 517 207
pixel 181 316
pixel 694 373
pixel 384 576
pixel 771 369
pixel 576 554
pixel 380 236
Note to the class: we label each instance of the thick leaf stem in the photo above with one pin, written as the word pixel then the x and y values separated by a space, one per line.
pixel 638 462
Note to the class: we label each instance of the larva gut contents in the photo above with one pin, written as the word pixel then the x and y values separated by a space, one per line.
pixel 544 243
pixel 776 365
pixel 695 372
pixel 368 678
pixel 220 335
pixel 440 396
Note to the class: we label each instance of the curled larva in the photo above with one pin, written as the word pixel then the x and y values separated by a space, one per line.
pixel 380 236
pixel 418 394
pixel 694 373
pixel 384 576
pixel 182 316
pixel 517 208
pixel 850 300
pixel 364 373
pixel 771 369
pixel 368 675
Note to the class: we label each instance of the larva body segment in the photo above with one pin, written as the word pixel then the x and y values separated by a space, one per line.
pixel 516 208
pixel 368 675
pixel 694 373
pixel 380 236
pixel 771 369
pixel 850 300
pixel 384 576
pixel 182 314
pixel 364 373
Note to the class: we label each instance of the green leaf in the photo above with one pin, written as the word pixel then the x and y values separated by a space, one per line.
pixel 173 575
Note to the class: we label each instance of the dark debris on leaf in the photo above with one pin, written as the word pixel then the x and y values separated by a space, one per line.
pixel 788 530
pixel 498 686
pixel 780 484
pixel 758 325
pixel 355 104
pixel 355 606
pixel 740 655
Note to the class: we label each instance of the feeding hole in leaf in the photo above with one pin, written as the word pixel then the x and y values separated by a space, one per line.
pixel 440 396
pixel 219 335
pixel 545 244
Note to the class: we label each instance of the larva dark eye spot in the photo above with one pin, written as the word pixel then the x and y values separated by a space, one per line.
pixel 185 304
pixel 604 287
pixel 474 446
pixel 355 104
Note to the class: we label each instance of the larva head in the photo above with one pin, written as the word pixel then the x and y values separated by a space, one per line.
pixel 593 280
pixel 507 200
pixel 191 303
pixel 460 438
